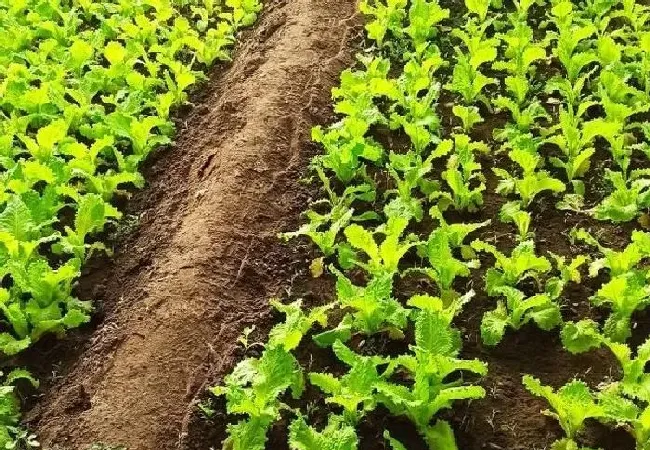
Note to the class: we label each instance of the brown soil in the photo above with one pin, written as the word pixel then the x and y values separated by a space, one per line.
pixel 205 258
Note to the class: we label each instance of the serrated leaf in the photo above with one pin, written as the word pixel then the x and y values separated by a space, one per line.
pixel 337 435
pixel 493 325
pixel 582 336
pixel 114 52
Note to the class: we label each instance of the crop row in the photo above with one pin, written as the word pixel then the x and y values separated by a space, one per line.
pixel 86 90
pixel 561 86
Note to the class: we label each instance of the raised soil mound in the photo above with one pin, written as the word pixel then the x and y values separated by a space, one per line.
pixel 205 258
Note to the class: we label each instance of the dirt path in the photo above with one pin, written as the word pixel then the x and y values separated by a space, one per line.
pixel 205 258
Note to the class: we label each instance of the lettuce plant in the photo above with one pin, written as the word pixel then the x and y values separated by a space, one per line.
pixel 515 309
pixel 415 107
pixel 524 117
pixel 324 228
pixel 635 377
pixel 380 258
pixel 520 54
pixel 371 309
pixel 571 405
pixel 619 98
pixel 254 387
pixel 511 212
pixel 523 263
pixel 337 435
pixel 463 176
pixel 633 388
pixel 468 115
pixel 354 392
pixel 385 17
pixel 628 198
pixel 11 433
pixel 424 17
pixel 576 148
pixel 440 251
pixel 572 40
pixel 641 37
pixel 623 294
pixel 617 262
pixel 532 181
pixel 572 92
pixel 467 79
pixel 358 89
pixel 627 399
pixel 347 147
pixel 346 143
pixel 613 129
pixel 410 173
pixel 627 290
pixel 574 403
pixel 432 362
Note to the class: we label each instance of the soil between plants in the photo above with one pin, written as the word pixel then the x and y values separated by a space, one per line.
pixel 204 258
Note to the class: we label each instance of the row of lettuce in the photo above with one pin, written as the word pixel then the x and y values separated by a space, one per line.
pixel 570 78
pixel 86 90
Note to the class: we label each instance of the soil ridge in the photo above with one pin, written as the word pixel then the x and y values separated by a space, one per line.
pixel 205 258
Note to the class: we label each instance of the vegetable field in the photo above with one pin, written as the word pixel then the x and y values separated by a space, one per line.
pixel 384 224
pixel 527 111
